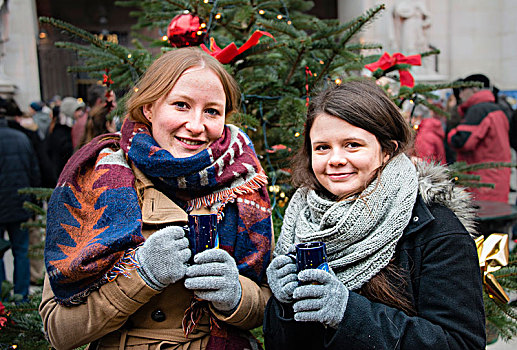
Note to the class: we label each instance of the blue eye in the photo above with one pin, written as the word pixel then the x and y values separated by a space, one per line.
pixel 212 111
pixel 180 104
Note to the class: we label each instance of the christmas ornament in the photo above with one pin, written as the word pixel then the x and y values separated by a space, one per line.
pixel 106 80
pixel 493 254
pixel 227 54
pixel 186 30
pixel 386 62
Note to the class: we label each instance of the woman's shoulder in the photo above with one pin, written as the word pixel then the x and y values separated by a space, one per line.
pixel 431 221
pixel 438 190
pixel 101 149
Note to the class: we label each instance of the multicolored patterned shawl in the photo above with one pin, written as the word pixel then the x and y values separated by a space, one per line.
pixel 94 218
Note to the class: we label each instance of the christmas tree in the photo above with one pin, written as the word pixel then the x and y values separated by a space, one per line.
pixel 280 56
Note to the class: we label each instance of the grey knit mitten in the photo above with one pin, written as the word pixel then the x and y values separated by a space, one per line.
pixel 324 302
pixel 282 278
pixel 163 257
pixel 214 277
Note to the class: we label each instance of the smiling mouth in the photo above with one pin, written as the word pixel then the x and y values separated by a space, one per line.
pixel 340 175
pixel 191 142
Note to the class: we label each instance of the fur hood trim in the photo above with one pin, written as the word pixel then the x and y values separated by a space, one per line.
pixel 435 186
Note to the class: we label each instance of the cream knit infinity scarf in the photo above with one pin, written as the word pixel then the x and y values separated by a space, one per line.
pixel 360 233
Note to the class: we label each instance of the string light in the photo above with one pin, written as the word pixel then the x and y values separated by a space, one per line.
pixel 282 195
pixel 261 12
pixel 289 22
pixel 42 35
pixel 135 89
pixel 218 16
pixel 297 134
pixel 274 188
pixel 338 81
pixel 186 12
pixel 203 25
pixel 199 32
pixel 322 62
pixel 164 38
pixel 129 56
pixel 205 1
pixel 279 16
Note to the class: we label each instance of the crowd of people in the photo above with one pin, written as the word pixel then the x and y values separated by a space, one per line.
pixel 119 272
pixel 36 144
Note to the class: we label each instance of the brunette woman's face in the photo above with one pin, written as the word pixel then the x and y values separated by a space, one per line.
pixel 344 157
pixel 191 116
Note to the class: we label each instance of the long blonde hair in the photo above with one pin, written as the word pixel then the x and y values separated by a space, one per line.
pixel 165 71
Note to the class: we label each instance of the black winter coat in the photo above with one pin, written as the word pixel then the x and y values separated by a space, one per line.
pixel 18 169
pixel 59 147
pixel 444 285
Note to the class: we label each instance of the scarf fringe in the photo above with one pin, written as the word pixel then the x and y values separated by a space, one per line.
pixel 124 266
pixel 194 313
pixel 228 195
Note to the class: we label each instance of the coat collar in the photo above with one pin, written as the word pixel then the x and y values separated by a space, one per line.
pixel 420 217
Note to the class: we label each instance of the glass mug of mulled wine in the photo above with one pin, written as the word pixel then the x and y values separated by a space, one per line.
pixel 201 232
pixel 311 255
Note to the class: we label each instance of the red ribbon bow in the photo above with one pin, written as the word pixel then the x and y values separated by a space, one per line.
pixel 227 54
pixel 385 62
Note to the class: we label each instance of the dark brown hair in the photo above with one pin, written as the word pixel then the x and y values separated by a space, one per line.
pixel 365 105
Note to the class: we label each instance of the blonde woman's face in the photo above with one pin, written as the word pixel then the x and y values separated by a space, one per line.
pixel 191 116
pixel 344 157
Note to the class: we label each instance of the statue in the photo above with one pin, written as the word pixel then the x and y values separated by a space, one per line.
pixel 411 21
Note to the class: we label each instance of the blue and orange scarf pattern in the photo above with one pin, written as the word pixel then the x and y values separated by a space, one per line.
pixel 94 221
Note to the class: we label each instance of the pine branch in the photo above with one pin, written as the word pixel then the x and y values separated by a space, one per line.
pixel 118 52
pixel 464 167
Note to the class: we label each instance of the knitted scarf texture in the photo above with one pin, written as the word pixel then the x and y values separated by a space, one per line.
pixel 360 233
pixel 94 221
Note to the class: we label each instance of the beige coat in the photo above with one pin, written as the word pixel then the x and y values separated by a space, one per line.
pixel 128 314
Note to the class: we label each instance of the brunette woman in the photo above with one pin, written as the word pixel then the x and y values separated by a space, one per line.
pixel 404 268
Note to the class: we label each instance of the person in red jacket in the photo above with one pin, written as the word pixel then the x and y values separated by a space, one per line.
pixel 430 136
pixel 482 136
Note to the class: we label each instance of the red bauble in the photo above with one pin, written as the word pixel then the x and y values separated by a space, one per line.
pixel 185 30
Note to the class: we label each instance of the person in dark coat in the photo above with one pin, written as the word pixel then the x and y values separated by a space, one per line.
pixel 18 169
pixel 403 271
pixel 15 120
pixel 59 141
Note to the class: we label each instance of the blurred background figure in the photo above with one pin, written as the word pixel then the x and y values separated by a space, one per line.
pixel 18 169
pixel 483 136
pixel 101 102
pixel 97 123
pixel 430 135
pixel 59 142
pixel 41 116
pixel 96 97
pixel 451 107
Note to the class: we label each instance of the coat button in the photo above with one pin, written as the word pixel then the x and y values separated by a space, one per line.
pixel 415 219
pixel 158 315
